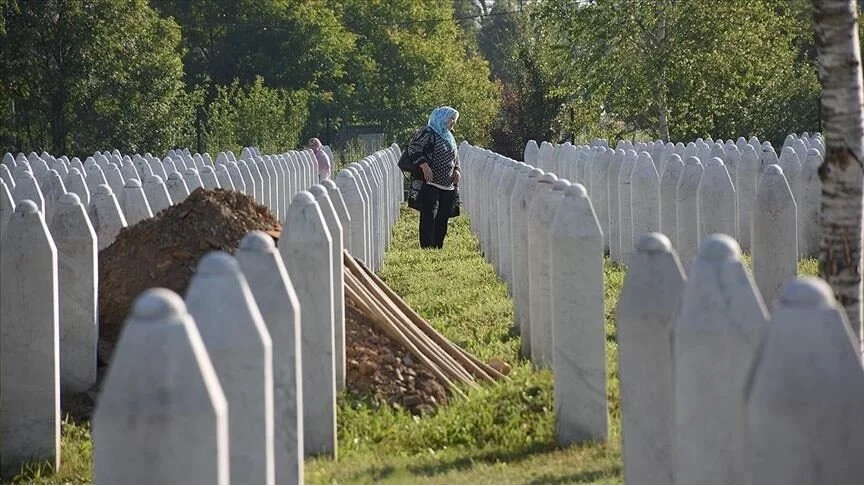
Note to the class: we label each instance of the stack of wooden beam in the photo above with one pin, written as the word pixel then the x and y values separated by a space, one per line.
pixel 392 316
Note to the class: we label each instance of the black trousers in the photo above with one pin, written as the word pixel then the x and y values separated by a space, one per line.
pixel 436 206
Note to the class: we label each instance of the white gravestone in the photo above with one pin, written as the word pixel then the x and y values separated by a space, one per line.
pixel 128 170
pixel 192 179
pixel 60 166
pixel 95 176
pixel 166 422
pixel 158 168
pixel 719 327
pixel 645 197
pixel 6 176
pixel 275 185
pixel 774 233
pixel 341 209
pixel 134 202
pixel 27 188
pixel 78 273
pixel 257 163
pixel 791 166
pixel 649 299
pixel 252 186
pixel 540 215
pixel 170 167
pixel 208 178
pixel 503 225
pixel 352 196
pixel 52 188
pixel 369 220
pixel 177 188
pixel 258 179
pixel 142 167
pixel 749 167
pixel 39 168
pixel 240 349
pixel 599 190
pixel 519 224
pixel 335 229
pixel 371 212
pixel 105 216
pixel 236 177
pixel 578 323
pixel 223 177
pixel 531 153
pixel 114 178
pixel 520 180
pixel 717 200
pixel 809 205
pixel 7 207
pixel 625 209
pixel 687 202
pixel 612 202
pixel 274 293
pixel 156 194
pixel 75 182
pixel 29 343
pixel 672 170
pixel 807 375
pixel 307 253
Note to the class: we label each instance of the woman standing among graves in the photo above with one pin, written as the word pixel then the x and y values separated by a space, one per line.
pixel 324 164
pixel 432 151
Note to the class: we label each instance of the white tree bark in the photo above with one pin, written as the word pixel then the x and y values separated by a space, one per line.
pixel 836 28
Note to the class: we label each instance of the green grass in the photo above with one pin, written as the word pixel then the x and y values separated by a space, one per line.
pixel 501 434
pixel 76 459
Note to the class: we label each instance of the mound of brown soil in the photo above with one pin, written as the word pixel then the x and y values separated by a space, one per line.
pixel 385 371
pixel 163 251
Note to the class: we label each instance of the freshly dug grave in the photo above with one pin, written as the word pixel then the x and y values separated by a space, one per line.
pixel 384 371
pixel 163 251
pixel 394 355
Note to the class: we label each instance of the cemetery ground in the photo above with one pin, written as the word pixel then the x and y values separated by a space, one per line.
pixel 500 434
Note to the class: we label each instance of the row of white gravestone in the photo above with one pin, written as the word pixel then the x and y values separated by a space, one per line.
pixel 116 197
pixel 713 389
pixel 30 422
pixel 727 192
pixel 543 237
pixel 594 165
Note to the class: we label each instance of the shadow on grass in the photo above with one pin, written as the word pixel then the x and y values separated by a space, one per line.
pixel 590 477
pixel 489 457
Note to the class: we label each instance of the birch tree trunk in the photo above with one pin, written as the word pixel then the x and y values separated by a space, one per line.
pixel 836 28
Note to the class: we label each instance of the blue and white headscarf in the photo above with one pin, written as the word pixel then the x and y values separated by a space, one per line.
pixel 438 122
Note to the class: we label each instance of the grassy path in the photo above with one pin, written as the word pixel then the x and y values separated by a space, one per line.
pixel 502 434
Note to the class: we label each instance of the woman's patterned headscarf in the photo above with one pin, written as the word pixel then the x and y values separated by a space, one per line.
pixel 438 122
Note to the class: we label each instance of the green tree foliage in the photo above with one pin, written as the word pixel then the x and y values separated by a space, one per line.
pixel 692 67
pixel 410 58
pixel 86 75
pixel 255 115
pixel 531 100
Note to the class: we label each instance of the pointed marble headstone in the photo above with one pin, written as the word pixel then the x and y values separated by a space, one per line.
pixel 29 343
pixel 171 411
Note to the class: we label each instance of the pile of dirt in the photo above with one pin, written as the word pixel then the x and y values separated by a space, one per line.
pixel 385 371
pixel 163 251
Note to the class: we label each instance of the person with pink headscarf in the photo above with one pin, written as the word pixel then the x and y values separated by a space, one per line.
pixel 324 164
